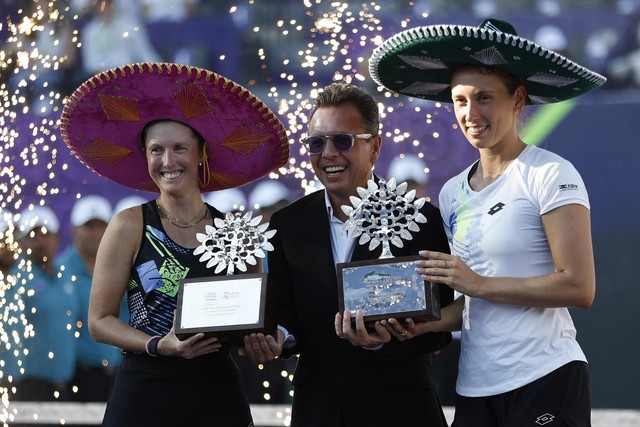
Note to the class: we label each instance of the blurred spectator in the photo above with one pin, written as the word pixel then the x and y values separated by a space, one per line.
pixel 128 202
pixel 551 37
pixel 8 247
pixel 168 10
pixel 43 363
pixel 312 186
pixel 86 7
pixel 230 200
pixel 267 197
pixel 411 169
pixel 112 38
pixel 96 362
pixel 483 8
pixel 598 48
pixel 624 68
pixel 548 7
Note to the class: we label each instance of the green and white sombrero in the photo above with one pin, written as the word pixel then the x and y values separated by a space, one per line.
pixel 418 62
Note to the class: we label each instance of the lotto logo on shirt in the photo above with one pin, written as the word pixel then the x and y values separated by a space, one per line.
pixel 567 187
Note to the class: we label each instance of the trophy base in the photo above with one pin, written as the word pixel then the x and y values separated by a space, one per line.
pixel 227 307
pixel 387 288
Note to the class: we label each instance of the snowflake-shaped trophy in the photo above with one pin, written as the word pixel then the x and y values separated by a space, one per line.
pixel 234 242
pixel 384 213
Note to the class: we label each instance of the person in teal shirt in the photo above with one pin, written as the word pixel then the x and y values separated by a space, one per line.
pixel 96 362
pixel 42 324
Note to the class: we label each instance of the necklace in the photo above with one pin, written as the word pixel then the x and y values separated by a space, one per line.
pixel 181 224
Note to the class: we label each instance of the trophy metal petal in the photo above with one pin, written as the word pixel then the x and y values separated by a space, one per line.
pixel 374 244
pixel 391 184
pixel 355 201
pixel 410 195
pixel 412 226
pixel 346 209
pixel 404 234
pixel 397 242
pixel 255 222
pixel 364 239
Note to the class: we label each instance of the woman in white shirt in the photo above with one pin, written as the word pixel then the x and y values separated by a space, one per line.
pixel 517 219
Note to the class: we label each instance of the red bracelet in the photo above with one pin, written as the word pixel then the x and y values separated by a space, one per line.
pixel 152 345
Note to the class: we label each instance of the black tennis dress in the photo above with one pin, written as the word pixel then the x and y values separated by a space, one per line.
pixel 171 391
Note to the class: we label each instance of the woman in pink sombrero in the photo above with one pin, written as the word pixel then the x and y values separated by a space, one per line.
pixel 178 131
pixel 517 220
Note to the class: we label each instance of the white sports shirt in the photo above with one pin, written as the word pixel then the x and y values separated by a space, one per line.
pixel 498 233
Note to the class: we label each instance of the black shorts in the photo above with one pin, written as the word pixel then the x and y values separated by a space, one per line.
pixel 560 398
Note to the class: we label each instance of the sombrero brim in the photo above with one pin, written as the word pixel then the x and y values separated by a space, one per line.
pixel 102 121
pixel 418 63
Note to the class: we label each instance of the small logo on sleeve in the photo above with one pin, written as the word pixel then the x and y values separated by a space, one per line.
pixel 567 187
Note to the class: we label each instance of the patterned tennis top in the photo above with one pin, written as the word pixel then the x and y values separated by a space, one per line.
pixel 156 273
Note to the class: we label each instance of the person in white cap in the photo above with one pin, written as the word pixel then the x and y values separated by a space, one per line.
pixel 228 200
pixel 411 169
pixel 269 196
pixel 44 365
pixel 96 362
pixel 128 202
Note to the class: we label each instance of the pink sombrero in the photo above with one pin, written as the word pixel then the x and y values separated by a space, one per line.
pixel 102 121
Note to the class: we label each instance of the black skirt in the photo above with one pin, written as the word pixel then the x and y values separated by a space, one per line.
pixel 169 391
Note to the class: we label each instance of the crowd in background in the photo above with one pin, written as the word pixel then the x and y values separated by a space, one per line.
pixel 250 44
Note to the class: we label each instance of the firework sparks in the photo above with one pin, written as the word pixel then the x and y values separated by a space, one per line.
pixel 323 41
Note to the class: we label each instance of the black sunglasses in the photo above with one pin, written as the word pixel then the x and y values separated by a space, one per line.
pixel 343 142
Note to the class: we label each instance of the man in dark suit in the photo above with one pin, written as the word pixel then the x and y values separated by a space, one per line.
pixel 345 377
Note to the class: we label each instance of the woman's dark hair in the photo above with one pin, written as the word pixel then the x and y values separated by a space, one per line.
pixel 341 93
pixel 145 129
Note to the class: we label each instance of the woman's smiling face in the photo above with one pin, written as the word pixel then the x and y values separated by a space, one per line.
pixel 173 153
pixel 486 111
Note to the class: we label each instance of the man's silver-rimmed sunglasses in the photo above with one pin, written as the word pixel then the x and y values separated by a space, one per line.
pixel 343 142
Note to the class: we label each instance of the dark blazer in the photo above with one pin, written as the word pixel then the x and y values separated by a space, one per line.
pixel 333 379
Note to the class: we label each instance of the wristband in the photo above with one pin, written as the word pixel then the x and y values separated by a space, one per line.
pixel 152 345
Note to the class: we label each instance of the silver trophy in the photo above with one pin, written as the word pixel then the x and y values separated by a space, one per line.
pixel 233 305
pixel 234 242
pixel 385 214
